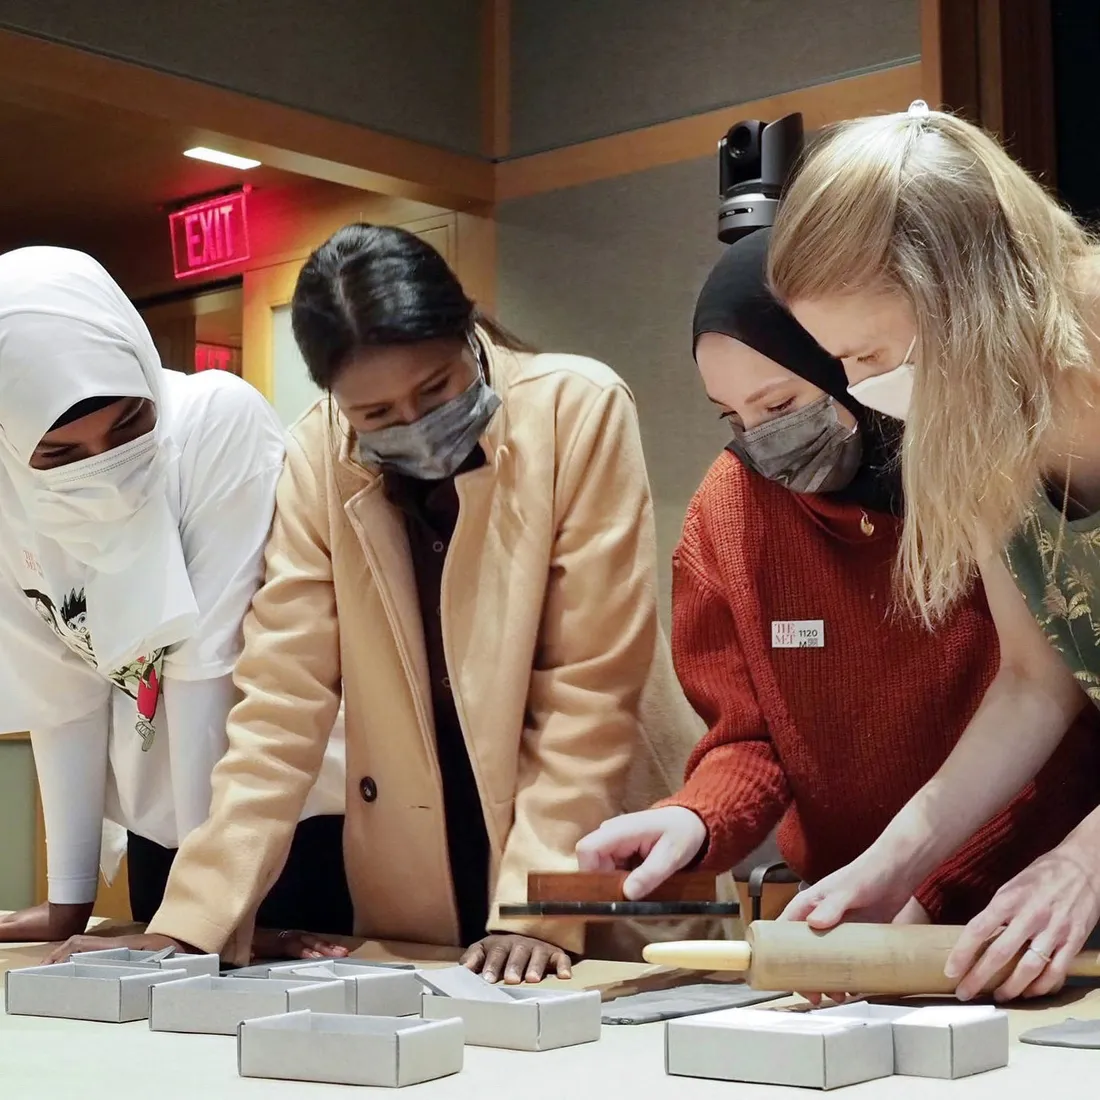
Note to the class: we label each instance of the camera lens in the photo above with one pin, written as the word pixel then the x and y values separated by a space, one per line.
pixel 739 141
pixel 754 159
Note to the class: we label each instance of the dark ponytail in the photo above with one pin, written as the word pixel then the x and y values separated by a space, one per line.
pixel 373 286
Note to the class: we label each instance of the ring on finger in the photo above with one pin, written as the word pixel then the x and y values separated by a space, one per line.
pixel 1035 951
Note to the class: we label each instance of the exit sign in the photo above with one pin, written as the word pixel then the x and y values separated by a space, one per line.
pixel 210 234
pixel 216 357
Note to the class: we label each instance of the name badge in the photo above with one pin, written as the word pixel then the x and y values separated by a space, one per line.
pixel 798 634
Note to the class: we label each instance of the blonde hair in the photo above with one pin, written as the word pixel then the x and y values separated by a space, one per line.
pixel 929 206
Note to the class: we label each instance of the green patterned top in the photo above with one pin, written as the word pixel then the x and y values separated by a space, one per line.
pixel 1062 594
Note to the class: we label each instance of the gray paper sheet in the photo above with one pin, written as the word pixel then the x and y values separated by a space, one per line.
pixel 686 1000
pixel 1069 1033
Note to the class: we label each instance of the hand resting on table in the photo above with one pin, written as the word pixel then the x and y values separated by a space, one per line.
pixel 266 944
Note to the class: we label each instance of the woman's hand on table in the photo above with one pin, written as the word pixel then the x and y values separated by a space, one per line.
pixel 1047 912
pixel 76 944
pixel 45 923
pixel 667 839
pixel 268 943
pixel 516 959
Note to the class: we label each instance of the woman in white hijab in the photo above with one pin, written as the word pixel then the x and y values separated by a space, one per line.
pixel 135 503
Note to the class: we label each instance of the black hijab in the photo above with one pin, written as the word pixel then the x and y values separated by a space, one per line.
pixel 735 301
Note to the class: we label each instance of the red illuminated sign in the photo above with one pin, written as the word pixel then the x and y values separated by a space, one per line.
pixel 214 357
pixel 210 234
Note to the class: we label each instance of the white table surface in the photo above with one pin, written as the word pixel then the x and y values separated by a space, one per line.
pixel 46 1059
pixel 51 1059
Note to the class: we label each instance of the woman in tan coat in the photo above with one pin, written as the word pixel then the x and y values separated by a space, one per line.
pixel 463 550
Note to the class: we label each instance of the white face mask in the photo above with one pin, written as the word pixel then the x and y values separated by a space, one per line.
pixel 94 508
pixel 891 392
pixel 67 334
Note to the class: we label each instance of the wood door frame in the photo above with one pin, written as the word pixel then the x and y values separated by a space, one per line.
pixel 991 61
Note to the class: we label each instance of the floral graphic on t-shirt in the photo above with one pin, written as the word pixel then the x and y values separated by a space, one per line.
pixel 142 683
pixel 140 679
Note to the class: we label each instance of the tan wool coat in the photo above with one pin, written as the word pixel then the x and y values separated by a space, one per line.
pixel 553 648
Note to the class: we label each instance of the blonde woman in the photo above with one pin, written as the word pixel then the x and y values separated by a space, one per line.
pixel 963 300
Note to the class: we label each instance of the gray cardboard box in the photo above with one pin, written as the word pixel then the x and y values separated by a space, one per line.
pixel 215 1006
pixel 265 970
pixel 349 1050
pixel 945 1041
pixel 779 1048
pixel 525 1019
pixel 460 981
pixel 370 991
pixel 84 991
pixel 192 965
pixel 269 969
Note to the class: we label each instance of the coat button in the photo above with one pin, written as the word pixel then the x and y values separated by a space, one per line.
pixel 368 789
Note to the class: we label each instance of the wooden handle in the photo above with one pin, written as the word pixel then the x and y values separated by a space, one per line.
pixel 890 959
pixel 700 954
pixel 608 886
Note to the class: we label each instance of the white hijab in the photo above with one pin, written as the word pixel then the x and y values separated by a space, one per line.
pixel 67 334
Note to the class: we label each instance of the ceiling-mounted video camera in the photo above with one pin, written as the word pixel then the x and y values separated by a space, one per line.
pixel 754 159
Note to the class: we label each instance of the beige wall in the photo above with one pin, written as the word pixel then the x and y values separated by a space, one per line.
pixel 611 270
pixel 583 69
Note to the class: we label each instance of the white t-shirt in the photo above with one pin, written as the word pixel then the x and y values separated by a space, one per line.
pixel 101 749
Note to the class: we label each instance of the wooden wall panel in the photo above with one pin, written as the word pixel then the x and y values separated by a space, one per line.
pixel 687 139
pixel 496 78
pixel 98 88
pixel 991 61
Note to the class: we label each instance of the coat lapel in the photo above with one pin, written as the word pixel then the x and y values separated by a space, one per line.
pixel 380 530
pixel 480 571
pixel 477 577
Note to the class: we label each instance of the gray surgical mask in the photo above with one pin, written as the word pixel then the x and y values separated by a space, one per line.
pixel 436 445
pixel 807 451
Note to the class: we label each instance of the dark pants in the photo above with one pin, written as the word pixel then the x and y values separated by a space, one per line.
pixel 311 895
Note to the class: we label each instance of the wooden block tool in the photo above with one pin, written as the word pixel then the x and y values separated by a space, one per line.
pixel 598 895
pixel 892 959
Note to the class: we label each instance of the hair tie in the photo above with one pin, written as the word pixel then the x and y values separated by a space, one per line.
pixel 918 109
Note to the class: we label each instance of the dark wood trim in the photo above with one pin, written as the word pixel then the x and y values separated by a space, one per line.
pixel 991 62
pixel 186 293
pixel 889 89
pixel 949 56
pixel 1027 86
pixel 496 78
pixel 91 86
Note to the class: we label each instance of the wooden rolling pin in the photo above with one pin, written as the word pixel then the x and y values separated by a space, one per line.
pixel 894 959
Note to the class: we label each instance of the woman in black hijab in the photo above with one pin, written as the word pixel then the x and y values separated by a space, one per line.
pixel 738 325
pixel 828 706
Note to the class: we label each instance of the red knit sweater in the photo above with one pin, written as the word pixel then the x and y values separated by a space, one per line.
pixel 831 742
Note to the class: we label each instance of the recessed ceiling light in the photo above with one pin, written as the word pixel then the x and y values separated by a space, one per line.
pixel 216 156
